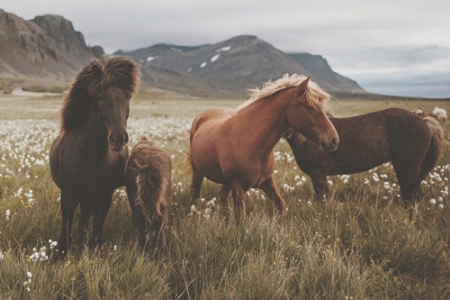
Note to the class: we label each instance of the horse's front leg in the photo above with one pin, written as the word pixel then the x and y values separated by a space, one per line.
pixel 223 197
pixel 69 203
pixel 320 186
pixel 101 210
pixel 271 191
pixel 86 213
pixel 238 197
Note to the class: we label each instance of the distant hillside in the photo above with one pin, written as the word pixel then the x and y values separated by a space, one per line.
pixel 232 66
pixel 321 71
pixel 49 48
pixel 46 47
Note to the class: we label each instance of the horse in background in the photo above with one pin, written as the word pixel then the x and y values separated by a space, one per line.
pixel 412 144
pixel 87 159
pixel 234 147
pixel 148 175
pixel 438 113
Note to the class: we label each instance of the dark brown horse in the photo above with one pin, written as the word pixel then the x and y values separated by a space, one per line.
pixel 235 147
pixel 149 187
pixel 87 159
pixel 410 143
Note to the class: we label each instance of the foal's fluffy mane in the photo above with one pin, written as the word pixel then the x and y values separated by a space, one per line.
pixel 314 94
pixel 98 75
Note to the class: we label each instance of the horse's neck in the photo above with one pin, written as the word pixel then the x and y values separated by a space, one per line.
pixel 264 123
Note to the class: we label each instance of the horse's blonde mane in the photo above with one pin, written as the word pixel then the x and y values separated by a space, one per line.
pixel 314 94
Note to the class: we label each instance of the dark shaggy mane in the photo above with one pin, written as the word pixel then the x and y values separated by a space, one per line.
pixel 98 75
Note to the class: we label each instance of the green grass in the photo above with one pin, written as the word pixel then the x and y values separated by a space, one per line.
pixel 362 244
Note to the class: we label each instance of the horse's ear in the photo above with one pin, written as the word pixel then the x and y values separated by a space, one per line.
pixel 96 71
pixel 302 86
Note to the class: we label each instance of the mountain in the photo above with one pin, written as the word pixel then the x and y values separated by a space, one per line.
pixel 321 71
pixel 46 47
pixel 232 66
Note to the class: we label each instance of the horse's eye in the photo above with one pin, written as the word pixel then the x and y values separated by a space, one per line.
pixel 310 108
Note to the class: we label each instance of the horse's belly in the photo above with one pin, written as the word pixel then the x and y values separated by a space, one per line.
pixel 357 164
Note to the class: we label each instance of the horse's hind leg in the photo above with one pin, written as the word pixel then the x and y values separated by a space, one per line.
pixel 139 225
pixel 137 217
pixel 271 191
pixel 408 179
pixel 196 184
pixel 68 205
pixel 160 236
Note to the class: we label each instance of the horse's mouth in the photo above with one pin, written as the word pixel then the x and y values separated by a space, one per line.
pixel 329 147
pixel 117 148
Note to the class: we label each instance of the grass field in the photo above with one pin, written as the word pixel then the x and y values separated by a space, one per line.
pixel 362 244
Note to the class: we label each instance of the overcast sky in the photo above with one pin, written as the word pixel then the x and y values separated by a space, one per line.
pixel 396 47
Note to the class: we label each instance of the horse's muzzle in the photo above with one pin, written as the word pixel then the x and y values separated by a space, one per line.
pixel 330 146
pixel 117 141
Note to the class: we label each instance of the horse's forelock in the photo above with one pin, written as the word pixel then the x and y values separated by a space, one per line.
pixel 116 71
pixel 96 76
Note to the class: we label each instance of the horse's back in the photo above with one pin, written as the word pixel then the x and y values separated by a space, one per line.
pixel 148 156
pixel 407 130
pixel 211 115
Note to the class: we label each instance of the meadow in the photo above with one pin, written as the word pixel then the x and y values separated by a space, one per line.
pixel 362 243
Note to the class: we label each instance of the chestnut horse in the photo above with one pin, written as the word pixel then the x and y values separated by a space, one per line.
pixel 148 175
pixel 412 144
pixel 235 147
pixel 87 159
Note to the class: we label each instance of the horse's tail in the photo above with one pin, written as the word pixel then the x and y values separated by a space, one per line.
pixel 436 146
pixel 153 192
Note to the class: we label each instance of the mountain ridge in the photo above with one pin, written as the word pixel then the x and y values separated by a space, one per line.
pixel 48 48
pixel 239 63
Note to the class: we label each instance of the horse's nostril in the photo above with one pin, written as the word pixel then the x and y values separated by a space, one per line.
pixel 334 141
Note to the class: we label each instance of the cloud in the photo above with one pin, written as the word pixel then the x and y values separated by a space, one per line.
pixel 364 40
pixel 417 71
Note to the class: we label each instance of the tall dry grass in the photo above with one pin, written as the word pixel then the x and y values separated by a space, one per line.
pixel 361 244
